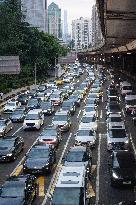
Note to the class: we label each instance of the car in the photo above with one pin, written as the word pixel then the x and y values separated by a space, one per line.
pixel 70 88
pixel 62 120
pixel 41 88
pixel 18 115
pixel 125 87
pixel 33 103
pixel 31 93
pixel 5 126
pixel 85 137
pixel 69 106
pixel 56 99
pixel 11 105
pixel 34 119
pixel 47 108
pixel 71 187
pixel 115 121
pixel 41 96
pixel 23 99
pixel 89 121
pixel 79 155
pixel 10 147
pixel 90 110
pixel 64 93
pixel 50 135
pixel 76 99
pixel 59 81
pixel 113 108
pixel 40 160
pixel 18 190
pixel 130 103
pixel 133 115
pixel 117 139
pixel 94 96
pixel 122 166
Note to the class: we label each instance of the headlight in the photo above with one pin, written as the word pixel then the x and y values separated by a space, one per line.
pixel 9 155
pixel 126 142
pixel 115 175
pixel 47 164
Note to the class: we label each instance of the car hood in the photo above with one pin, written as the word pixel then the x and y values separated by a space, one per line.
pixel 59 122
pixel 77 164
pixel 5 152
pixel 16 116
pixel 36 163
pixel 117 125
pixel 12 201
pixel 129 173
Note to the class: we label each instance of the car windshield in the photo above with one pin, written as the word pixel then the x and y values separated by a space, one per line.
pixel 89 109
pixel 18 112
pixel 32 117
pixel 118 133
pixel 32 102
pixel 14 189
pixel 67 196
pixel 127 87
pixel 49 132
pixel 114 107
pixel 126 160
pixel 88 119
pixel 67 104
pixel 131 102
pixel 115 119
pixel 11 104
pixel 85 132
pixel 6 144
pixel 40 94
pixel 75 156
pixel 38 153
pixel 60 118
pixel 2 123
pixel 45 105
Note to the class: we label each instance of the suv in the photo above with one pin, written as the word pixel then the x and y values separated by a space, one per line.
pixel 122 168
pixel 18 190
pixel 117 139
pixel 62 121
pixel 40 159
pixel 115 121
pixel 5 126
pixel 34 119
pixel 71 187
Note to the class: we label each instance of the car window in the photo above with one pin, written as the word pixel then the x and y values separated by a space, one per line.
pixel 75 156
pixel 38 153
pixel 13 190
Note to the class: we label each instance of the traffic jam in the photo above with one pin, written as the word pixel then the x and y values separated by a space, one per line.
pixel 70 141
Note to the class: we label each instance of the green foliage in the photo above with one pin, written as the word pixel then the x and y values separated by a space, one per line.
pixel 32 46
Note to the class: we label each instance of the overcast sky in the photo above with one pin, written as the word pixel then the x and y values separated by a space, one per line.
pixel 75 8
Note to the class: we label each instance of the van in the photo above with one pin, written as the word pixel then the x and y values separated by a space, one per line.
pixel 125 88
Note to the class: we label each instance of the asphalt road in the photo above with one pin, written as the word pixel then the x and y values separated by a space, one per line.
pixel 101 191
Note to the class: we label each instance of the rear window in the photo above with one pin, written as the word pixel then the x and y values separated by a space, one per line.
pixel 126 160
pixel 118 133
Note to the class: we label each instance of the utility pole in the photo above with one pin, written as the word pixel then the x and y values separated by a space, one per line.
pixel 35 75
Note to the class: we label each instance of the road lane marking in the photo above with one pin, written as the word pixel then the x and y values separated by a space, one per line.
pixel 90 190
pixel 56 173
pixel 17 130
pixel 134 148
pixel 98 171
pixel 101 114
pixel 17 170
pixel 123 112
pixel 41 184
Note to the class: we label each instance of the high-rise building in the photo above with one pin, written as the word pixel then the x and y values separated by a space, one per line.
pixel 54 20
pixel 36 13
pixel 65 27
pixel 81 33
pixel 96 29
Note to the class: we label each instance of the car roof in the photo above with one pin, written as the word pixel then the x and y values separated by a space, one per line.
pixel 114 115
pixel 77 149
pixel 71 176
pixel 34 111
pixel 61 112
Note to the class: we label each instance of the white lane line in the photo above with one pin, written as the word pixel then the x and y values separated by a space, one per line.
pixel 134 148
pixel 17 130
pixel 102 99
pixel 101 114
pixel 56 173
pixel 79 114
pixel 21 161
pixel 98 171
pixel 123 112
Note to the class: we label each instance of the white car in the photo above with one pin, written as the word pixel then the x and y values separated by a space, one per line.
pixel 34 119
pixel 90 110
pixel 11 106
pixel 89 121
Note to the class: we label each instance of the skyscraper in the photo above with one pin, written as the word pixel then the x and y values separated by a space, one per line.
pixel 96 29
pixel 36 13
pixel 81 33
pixel 65 26
pixel 54 20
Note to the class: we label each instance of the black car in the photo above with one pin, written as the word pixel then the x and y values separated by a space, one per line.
pixel 10 147
pixel 23 99
pixel 79 154
pixel 18 190
pixel 69 106
pixel 113 107
pixel 40 159
pixel 18 115
pixel 122 168
pixel 47 108
pixel 76 99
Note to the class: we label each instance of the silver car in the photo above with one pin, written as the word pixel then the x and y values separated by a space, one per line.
pixel 5 126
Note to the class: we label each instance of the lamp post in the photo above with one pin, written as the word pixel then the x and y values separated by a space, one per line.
pixel 35 75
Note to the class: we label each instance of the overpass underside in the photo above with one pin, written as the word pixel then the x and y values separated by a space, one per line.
pixel 118 25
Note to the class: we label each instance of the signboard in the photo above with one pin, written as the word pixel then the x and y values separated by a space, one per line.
pixel 9 65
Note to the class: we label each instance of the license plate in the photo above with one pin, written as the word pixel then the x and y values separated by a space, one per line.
pixel 129 182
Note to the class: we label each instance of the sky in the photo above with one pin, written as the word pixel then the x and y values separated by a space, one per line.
pixel 75 8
